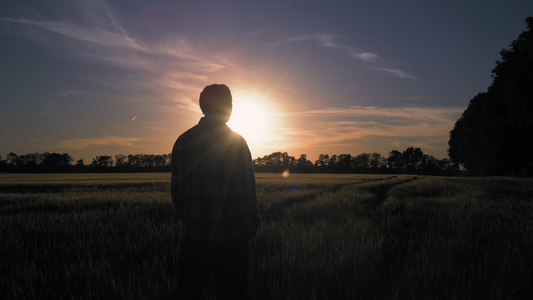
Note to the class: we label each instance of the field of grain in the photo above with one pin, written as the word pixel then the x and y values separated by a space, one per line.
pixel 113 236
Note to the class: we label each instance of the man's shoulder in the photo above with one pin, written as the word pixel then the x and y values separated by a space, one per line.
pixel 189 133
pixel 185 137
pixel 199 132
pixel 211 133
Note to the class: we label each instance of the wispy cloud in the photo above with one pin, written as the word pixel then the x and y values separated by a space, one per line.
pixel 66 93
pixel 330 41
pixel 168 65
pixel 395 72
pixel 93 35
pixel 394 113
pixel 344 126
pixel 77 144
pixel 260 31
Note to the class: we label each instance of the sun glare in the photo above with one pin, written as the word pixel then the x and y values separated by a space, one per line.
pixel 251 117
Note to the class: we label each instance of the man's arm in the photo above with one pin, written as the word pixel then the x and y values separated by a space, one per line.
pixel 252 211
pixel 175 181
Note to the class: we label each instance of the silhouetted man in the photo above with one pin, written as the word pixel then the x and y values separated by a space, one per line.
pixel 213 188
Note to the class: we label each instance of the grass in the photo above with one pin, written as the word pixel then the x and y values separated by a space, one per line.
pixel 113 236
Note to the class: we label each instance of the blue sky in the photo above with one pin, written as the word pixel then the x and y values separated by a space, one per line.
pixel 123 77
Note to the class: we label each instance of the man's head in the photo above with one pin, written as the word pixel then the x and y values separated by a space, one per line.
pixel 216 102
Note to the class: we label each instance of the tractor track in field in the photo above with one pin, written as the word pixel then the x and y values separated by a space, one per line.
pixel 277 210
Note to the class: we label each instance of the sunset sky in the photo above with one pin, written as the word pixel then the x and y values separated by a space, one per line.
pixel 123 77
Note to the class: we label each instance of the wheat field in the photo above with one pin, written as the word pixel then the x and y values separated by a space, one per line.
pixel 323 236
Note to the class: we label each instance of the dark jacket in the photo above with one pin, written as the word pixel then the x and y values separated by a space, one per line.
pixel 213 183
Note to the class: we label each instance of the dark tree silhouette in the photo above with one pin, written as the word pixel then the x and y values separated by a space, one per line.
pixel 395 161
pixel 11 159
pixel 479 138
pixel 376 161
pixel 303 164
pixel 55 162
pixel 35 162
pixel 494 136
pixel 102 161
pixel 344 162
pixel 321 164
pixel 80 165
pixel 361 162
pixel 275 162
pixel 121 161
pixel 412 159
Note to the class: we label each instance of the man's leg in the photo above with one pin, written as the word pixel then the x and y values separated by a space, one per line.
pixel 231 270
pixel 193 269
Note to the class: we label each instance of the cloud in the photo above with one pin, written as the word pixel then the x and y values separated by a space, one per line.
pixel 396 72
pixel 366 56
pixel 93 35
pixel 337 126
pixel 330 41
pixel 259 32
pixel 66 93
pixel 370 112
pixel 76 144
pixel 109 40
pixel 167 65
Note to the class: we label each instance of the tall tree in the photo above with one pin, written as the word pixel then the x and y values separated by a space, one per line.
pixel 345 163
pixel 494 136
pixel 412 158
pixel 362 162
pixel 102 161
pixel 303 164
pixel 376 160
pixel 12 158
pixel 322 163
pixel 395 161
pixel 56 162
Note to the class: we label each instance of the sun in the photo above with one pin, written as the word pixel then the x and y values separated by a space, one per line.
pixel 251 117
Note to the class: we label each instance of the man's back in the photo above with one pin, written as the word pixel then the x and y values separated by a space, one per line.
pixel 213 184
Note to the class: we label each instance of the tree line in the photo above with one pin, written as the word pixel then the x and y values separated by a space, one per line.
pixel 411 160
pixel 63 162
